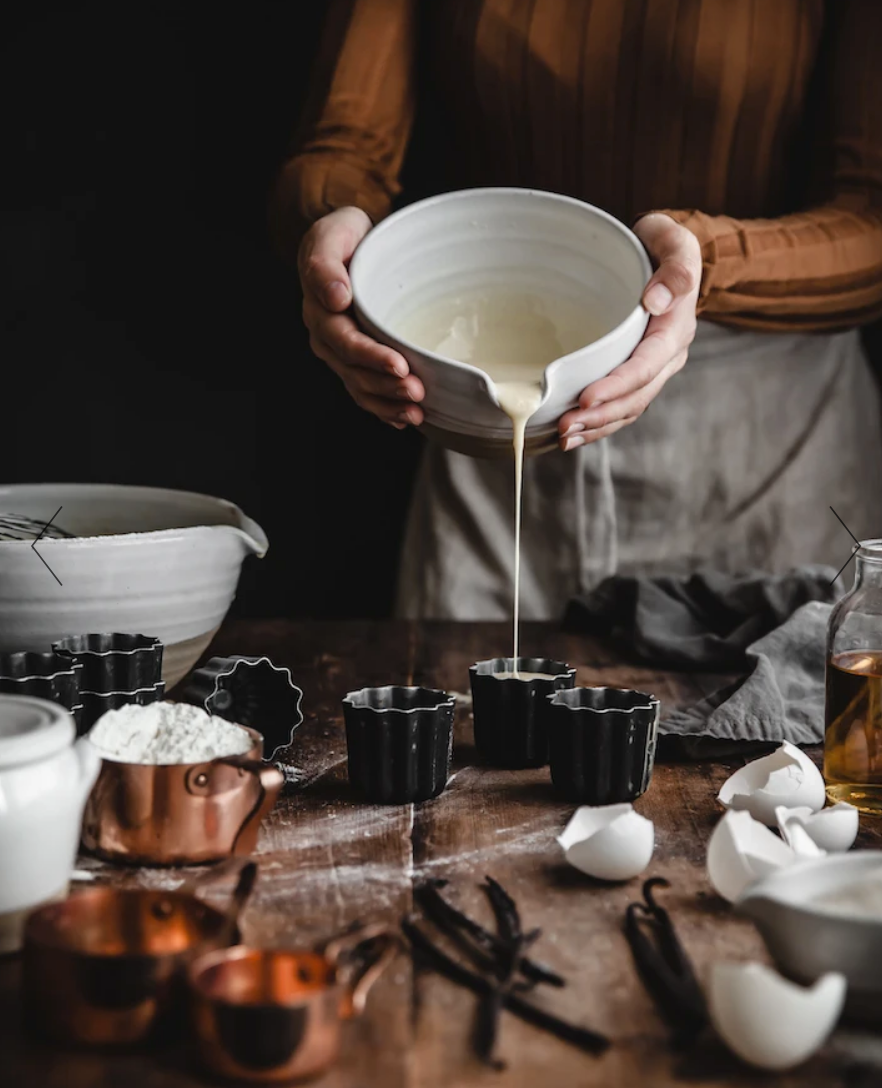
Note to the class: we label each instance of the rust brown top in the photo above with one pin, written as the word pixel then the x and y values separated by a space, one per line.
pixel 756 124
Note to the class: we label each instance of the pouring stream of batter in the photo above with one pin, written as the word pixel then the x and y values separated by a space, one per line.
pixel 512 336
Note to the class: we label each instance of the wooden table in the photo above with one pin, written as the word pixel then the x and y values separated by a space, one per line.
pixel 326 861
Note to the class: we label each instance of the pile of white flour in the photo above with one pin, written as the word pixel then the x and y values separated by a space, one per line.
pixel 166 733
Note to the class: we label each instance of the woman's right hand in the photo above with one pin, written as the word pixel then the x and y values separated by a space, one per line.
pixel 377 377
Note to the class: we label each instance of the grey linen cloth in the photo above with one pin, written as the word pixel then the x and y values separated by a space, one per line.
pixel 771 629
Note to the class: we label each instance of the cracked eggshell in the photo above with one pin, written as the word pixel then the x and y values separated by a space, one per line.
pixel 833 829
pixel 768 1021
pixel 801 843
pixel 786 778
pixel 740 851
pixel 608 842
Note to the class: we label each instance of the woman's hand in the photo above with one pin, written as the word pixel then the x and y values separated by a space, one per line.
pixel 612 402
pixel 376 377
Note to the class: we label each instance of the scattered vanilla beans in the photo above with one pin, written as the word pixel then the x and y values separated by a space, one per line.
pixel 664 965
pixel 584 1038
pixel 513 941
pixel 459 927
pixel 504 973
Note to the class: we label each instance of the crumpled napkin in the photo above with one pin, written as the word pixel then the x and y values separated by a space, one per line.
pixel 769 628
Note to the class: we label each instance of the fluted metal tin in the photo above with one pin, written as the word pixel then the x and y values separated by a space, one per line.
pixel 43 676
pixel 399 742
pixel 602 744
pixel 114 661
pixel 96 703
pixel 510 715
pixel 249 691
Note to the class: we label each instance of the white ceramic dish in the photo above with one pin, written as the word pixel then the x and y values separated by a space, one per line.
pixel 807 938
pixel 45 778
pixel 146 561
pixel 521 239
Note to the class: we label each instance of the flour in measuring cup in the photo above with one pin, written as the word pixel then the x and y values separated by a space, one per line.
pixel 164 733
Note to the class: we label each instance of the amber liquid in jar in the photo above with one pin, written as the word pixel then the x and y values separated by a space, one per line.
pixel 853 729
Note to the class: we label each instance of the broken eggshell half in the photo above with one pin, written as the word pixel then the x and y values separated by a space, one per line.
pixel 785 778
pixel 608 842
pixel 740 851
pixel 833 829
pixel 768 1021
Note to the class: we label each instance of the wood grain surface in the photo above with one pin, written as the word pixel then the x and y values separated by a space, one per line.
pixel 326 860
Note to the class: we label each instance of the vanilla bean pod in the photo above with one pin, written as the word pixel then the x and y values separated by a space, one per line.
pixel 486 961
pixel 664 965
pixel 672 949
pixel 508 919
pixel 508 925
pixel 449 921
pixel 453 923
pixel 590 1041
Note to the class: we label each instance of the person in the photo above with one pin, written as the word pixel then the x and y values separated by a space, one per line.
pixel 743 142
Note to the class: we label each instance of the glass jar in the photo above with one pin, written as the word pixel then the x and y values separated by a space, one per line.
pixel 853 711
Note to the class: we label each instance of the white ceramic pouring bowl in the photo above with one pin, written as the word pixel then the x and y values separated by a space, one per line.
pixel 520 239
pixel 145 561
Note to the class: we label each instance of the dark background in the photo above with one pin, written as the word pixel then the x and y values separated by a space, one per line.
pixel 149 334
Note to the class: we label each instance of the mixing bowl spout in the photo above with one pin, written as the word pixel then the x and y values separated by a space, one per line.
pixel 251 535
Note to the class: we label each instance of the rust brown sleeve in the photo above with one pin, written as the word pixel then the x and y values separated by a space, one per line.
pixel 357 122
pixel 820 269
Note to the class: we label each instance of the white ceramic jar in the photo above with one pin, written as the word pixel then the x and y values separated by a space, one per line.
pixel 45 777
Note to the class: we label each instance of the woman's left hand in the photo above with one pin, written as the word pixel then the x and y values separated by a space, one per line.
pixel 625 393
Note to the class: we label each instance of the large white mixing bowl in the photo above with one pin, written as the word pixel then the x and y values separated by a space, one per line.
pixel 532 242
pixel 145 560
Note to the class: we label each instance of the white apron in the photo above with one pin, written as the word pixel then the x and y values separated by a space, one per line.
pixel 734 465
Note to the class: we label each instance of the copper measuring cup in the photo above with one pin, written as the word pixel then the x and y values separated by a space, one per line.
pixel 181 813
pixel 276 1015
pixel 105 966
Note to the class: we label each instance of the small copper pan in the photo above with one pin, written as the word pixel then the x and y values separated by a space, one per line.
pixel 105 966
pixel 270 1016
pixel 182 813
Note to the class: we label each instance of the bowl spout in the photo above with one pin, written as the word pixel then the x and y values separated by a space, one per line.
pixel 253 538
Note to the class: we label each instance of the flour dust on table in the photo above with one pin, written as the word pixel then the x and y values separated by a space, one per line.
pixel 512 336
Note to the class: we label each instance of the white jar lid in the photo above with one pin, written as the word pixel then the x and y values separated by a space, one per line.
pixel 32 729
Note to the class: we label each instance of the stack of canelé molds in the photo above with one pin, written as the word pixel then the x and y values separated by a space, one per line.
pixel 88 674
pixel 116 669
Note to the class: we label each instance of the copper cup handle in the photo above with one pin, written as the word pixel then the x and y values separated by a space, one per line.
pixel 358 981
pixel 238 900
pixel 270 780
